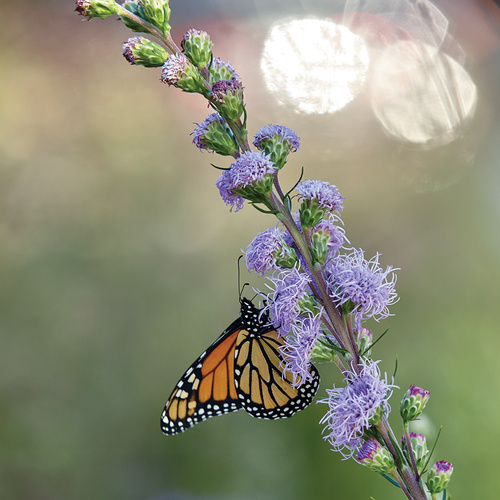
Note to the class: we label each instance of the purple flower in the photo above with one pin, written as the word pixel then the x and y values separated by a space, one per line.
pixel 250 169
pixel 290 287
pixel 364 283
pixel 352 407
pixel 326 194
pixel 268 252
pixel 299 346
pixel 278 132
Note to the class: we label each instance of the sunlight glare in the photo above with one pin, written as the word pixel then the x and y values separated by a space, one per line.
pixel 314 66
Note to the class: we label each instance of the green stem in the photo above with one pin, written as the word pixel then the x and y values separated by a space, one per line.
pixel 236 130
pixel 404 471
pixel 286 218
pixel 402 485
pixel 410 450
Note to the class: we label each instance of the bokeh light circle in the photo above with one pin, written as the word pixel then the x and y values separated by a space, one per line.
pixel 420 95
pixel 314 66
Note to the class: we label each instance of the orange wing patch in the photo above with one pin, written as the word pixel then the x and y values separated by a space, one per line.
pixel 206 389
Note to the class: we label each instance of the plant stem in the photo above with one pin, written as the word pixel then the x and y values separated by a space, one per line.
pixel 410 450
pixel 404 471
pixel 286 218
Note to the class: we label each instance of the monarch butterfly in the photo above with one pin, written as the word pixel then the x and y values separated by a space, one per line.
pixel 240 370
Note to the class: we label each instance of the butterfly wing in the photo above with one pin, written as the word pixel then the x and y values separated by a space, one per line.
pixel 207 388
pixel 264 390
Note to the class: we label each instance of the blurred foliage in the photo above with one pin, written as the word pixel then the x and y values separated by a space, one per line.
pixel 119 266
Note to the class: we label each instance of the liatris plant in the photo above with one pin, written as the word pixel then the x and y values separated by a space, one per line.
pixel 322 291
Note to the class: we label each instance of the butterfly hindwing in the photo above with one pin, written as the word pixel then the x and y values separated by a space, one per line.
pixel 265 391
pixel 206 389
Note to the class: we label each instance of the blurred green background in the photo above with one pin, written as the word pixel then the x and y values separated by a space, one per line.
pixel 118 264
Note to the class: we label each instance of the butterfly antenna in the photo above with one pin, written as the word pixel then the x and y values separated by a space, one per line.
pixel 240 287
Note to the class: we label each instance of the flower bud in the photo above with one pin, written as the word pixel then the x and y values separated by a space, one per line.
pixel 326 240
pixel 376 457
pixel 154 12
pixel 310 213
pixel 377 416
pixel 214 135
pixel 439 476
pixel 277 141
pixel 324 351
pixel 286 257
pixel 227 95
pixel 180 72
pixel 221 70
pixel 135 8
pixel 309 305
pixel 364 339
pixel 413 403
pixel 96 8
pixel 141 51
pixel 418 447
pixel 197 47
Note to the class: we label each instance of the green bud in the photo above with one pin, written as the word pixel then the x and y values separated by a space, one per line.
pixel 413 403
pixel 364 339
pixel 157 13
pixel 323 351
pixel 376 457
pixel 227 95
pixel 258 192
pixel 439 476
pixel 198 47
pixel 154 12
pixel 377 416
pixel 320 247
pixel 134 7
pixel 180 72
pixel 308 304
pixel 418 447
pixel 277 142
pixel 96 8
pixel 310 213
pixel 141 51
pixel 221 70
pixel 286 257
pixel 215 135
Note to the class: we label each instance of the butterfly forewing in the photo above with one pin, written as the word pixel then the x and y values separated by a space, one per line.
pixel 206 389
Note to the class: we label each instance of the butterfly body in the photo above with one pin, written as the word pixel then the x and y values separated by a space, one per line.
pixel 240 370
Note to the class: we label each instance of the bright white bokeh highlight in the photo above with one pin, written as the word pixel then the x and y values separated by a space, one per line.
pixel 314 66
pixel 420 95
